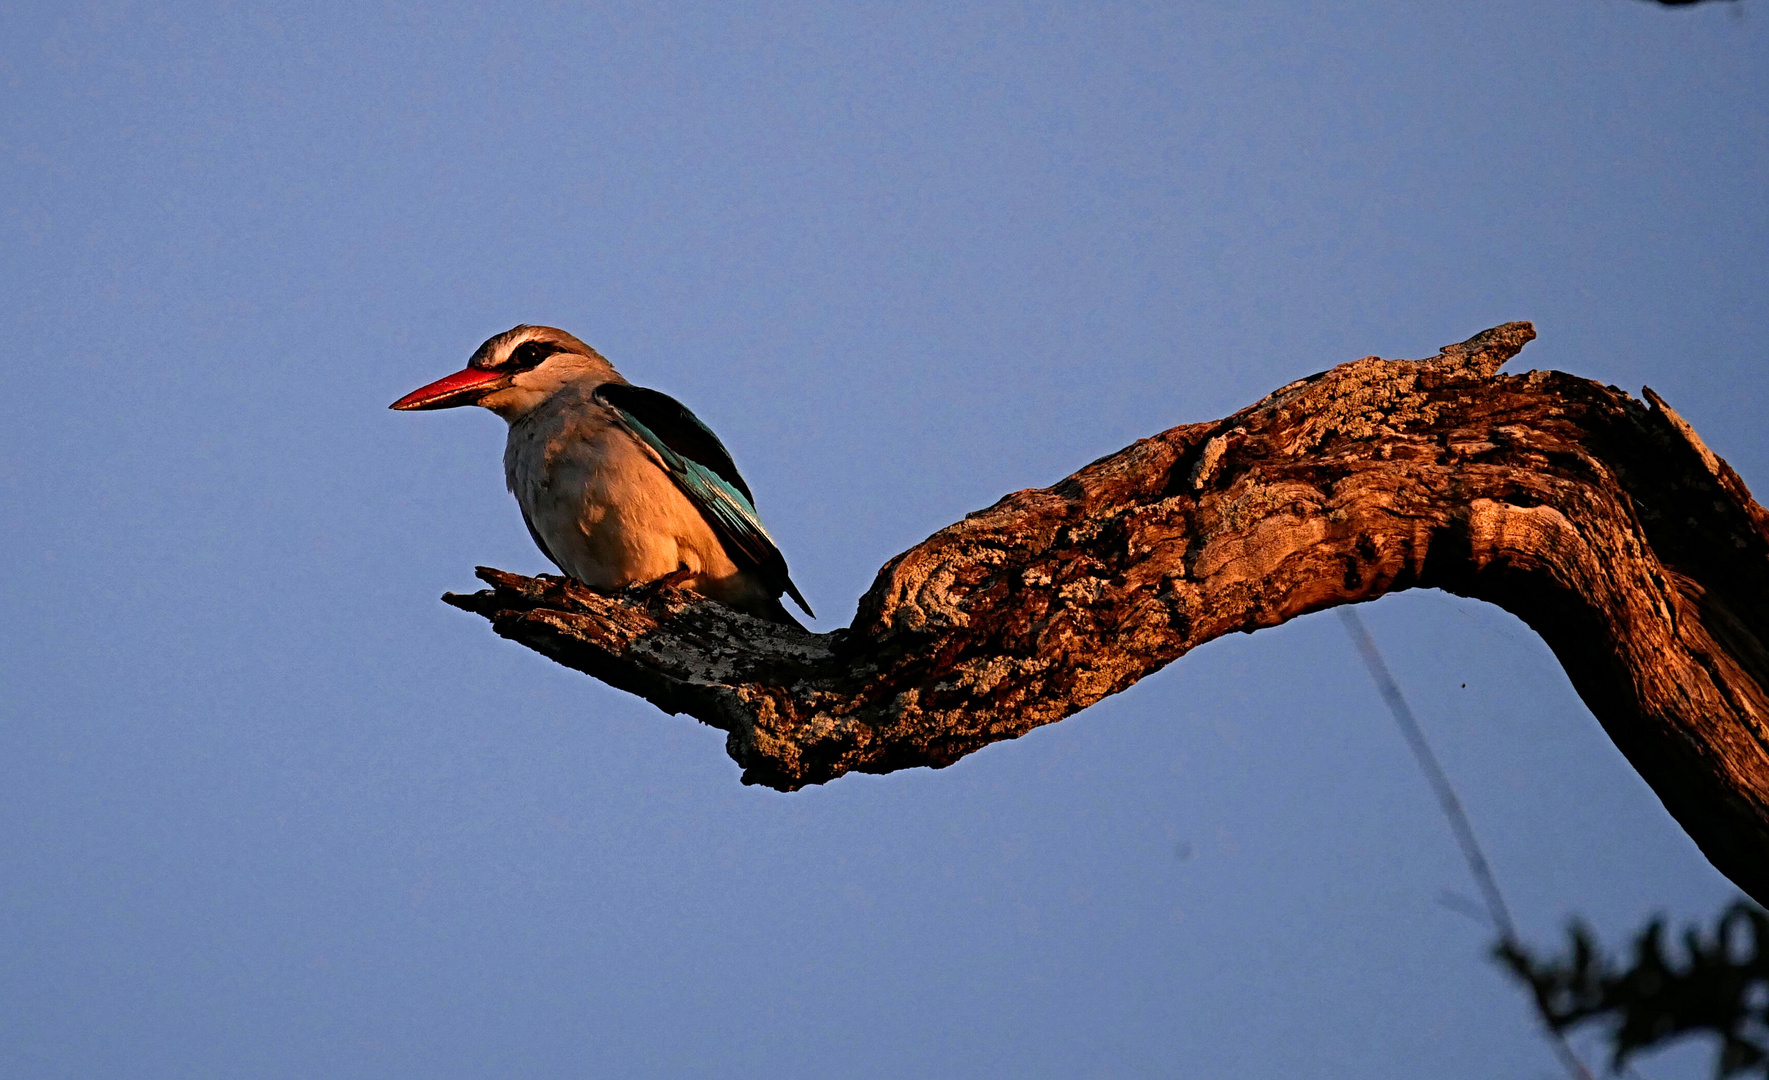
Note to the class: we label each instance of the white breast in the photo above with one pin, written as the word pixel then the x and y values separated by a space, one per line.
pixel 601 502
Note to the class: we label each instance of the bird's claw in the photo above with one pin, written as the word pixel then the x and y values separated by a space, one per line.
pixel 675 579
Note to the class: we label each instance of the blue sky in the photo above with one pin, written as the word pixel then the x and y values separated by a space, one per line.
pixel 267 808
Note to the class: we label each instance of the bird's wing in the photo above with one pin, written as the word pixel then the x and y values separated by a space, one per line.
pixel 701 466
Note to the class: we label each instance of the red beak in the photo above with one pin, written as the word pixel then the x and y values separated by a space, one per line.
pixel 461 388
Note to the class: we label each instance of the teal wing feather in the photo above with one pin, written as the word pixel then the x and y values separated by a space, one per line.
pixel 703 469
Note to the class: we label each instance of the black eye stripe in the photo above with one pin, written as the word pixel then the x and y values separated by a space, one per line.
pixel 531 354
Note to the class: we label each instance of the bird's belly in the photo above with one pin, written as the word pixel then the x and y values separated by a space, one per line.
pixel 611 517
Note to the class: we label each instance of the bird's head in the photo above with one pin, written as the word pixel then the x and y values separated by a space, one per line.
pixel 513 372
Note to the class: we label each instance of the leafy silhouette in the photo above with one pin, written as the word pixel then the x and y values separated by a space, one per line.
pixel 1721 987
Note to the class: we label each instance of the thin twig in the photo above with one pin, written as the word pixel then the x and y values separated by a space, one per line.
pixel 1460 825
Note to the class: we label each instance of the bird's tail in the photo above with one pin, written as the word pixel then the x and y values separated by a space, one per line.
pixel 775 611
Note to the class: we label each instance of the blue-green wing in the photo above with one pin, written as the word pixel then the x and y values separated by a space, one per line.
pixel 703 469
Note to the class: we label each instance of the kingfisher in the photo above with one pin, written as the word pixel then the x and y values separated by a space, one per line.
pixel 619 485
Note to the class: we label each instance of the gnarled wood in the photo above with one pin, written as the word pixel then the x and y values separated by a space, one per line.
pixel 1602 522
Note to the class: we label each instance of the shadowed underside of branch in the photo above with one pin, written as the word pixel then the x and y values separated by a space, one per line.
pixel 1602 522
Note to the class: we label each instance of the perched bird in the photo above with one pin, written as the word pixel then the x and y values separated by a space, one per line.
pixel 618 484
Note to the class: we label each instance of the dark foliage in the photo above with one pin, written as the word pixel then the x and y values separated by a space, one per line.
pixel 1720 987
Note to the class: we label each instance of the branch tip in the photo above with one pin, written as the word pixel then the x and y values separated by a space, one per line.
pixel 1487 351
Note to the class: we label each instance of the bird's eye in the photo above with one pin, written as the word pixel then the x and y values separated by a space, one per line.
pixel 530 354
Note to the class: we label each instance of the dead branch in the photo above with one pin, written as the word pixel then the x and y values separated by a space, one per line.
pixel 1602 522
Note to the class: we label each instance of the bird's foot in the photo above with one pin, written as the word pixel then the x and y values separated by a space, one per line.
pixel 675 579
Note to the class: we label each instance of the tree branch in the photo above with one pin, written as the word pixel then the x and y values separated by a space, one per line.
pixel 1602 522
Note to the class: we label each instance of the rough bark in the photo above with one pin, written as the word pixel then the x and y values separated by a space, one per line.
pixel 1601 521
